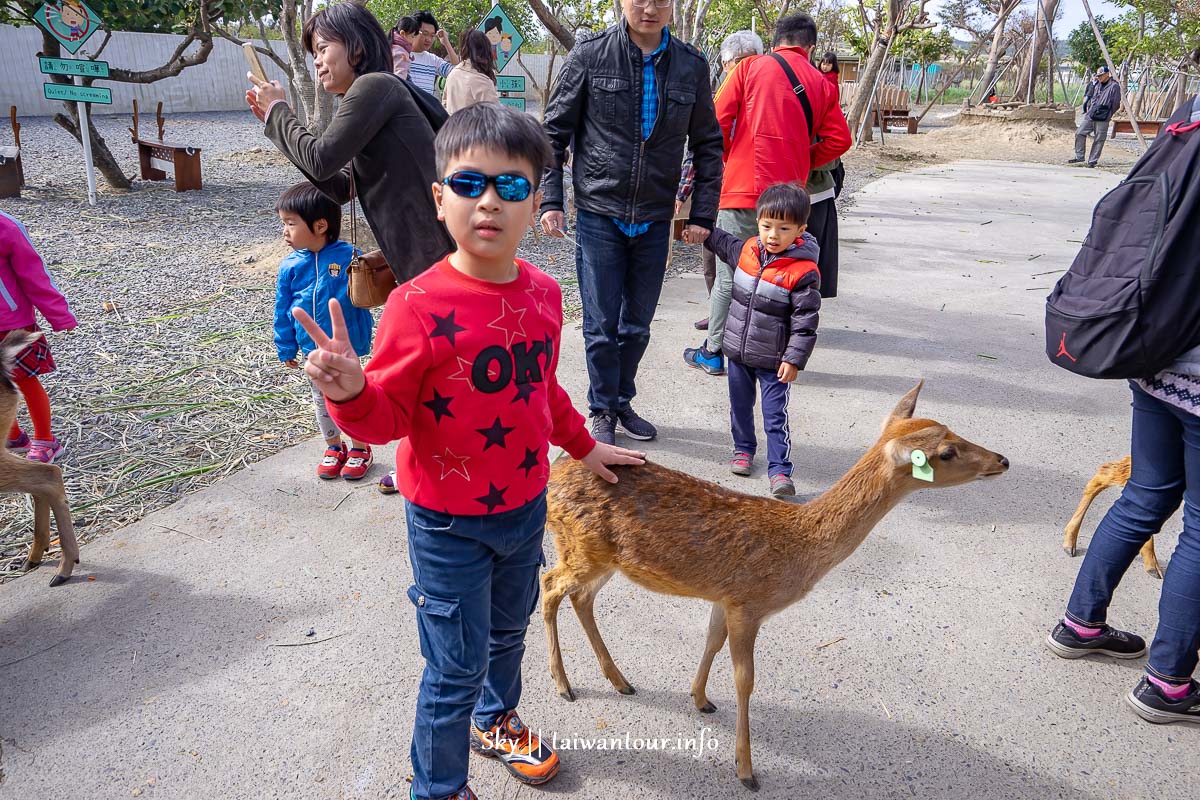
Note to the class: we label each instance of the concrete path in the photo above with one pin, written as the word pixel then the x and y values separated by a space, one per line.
pixel 916 669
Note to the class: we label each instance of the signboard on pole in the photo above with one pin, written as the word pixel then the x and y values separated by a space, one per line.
pixel 515 102
pixel 71 22
pixel 73 66
pixel 510 83
pixel 78 94
pixel 505 38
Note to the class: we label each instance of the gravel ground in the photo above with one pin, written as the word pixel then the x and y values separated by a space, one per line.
pixel 171 381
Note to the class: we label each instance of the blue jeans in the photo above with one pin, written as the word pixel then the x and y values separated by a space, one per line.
pixel 475 583
pixel 620 280
pixel 1166 469
pixel 743 381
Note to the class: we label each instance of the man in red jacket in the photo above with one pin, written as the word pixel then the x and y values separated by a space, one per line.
pixel 767 141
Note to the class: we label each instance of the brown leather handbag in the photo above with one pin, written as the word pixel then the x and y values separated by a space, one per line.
pixel 371 278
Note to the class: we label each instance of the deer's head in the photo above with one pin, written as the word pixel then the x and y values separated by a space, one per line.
pixel 927 453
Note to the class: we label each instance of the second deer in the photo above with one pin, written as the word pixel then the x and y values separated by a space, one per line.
pixel 751 557
pixel 43 481
pixel 1113 473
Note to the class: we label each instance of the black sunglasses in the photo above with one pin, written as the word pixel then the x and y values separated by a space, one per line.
pixel 513 188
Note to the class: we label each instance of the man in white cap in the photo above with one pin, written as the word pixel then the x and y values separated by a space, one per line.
pixel 1100 102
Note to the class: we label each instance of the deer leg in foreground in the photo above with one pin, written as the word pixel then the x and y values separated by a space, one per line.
pixel 41 532
pixel 66 538
pixel 555 585
pixel 1094 487
pixel 742 633
pixel 1150 559
pixel 584 600
pixel 716 640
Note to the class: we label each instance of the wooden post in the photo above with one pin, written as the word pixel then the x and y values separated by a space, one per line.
pixel 16 129
pixel 134 130
pixel 160 121
pixel 1112 70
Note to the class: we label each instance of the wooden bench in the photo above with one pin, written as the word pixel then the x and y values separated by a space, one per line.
pixel 1156 107
pixel 12 172
pixel 160 159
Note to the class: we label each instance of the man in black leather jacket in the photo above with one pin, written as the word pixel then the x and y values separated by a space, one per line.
pixel 628 101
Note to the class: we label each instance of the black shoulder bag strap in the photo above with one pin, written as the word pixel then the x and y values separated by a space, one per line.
pixel 801 95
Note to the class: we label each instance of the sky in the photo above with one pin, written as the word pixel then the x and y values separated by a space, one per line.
pixel 1072 15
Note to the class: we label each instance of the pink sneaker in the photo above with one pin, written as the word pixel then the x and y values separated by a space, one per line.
pixel 45 451
pixel 18 445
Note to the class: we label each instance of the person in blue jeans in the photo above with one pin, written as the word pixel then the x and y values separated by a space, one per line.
pixel 628 101
pixel 1165 470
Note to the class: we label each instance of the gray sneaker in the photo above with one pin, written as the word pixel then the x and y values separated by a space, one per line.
pixel 1149 703
pixel 604 427
pixel 635 427
pixel 782 486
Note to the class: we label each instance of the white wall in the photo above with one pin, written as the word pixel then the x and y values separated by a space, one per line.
pixel 219 84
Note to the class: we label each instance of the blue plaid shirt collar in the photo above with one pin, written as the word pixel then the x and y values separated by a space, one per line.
pixel 650 86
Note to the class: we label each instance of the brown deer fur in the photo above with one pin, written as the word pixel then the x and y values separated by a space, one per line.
pixel 42 481
pixel 751 557
pixel 1114 473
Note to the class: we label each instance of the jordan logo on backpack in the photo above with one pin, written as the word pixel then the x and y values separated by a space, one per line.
pixel 1062 347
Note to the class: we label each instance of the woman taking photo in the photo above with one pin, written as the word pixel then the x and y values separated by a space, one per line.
pixel 474 79
pixel 379 144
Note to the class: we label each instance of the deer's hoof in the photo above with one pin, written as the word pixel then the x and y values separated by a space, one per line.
pixel 28 565
pixel 627 689
pixel 707 708
pixel 1070 551
pixel 59 580
pixel 1155 572
pixel 567 695
pixel 750 783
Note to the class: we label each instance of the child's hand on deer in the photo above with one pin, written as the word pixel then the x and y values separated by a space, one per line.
pixel 787 372
pixel 605 455
pixel 334 366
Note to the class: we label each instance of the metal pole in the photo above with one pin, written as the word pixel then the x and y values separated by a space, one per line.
pixel 1033 52
pixel 85 131
pixel 1112 70
pixel 867 116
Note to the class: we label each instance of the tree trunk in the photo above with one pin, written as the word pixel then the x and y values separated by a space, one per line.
pixel 559 31
pixel 866 82
pixel 1039 49
pixel 313 105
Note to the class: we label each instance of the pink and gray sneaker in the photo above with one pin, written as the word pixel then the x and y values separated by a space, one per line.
pixel 18 445
pixel 45 451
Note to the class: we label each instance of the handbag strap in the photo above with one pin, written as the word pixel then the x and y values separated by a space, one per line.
pixel 353 216
pixel 801 95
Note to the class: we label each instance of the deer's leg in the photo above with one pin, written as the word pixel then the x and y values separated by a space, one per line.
pixel 584 600
pixel 66 531
pixel 743 630
pixel 555 584
pixel 1094 487
pixel 41 532
pixel 716 640
pixel 1150 559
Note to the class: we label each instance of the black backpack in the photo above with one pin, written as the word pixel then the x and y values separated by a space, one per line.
pixel 1130 303
pixel 431 108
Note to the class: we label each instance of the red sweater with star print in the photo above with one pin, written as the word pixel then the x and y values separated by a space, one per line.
pixel 463 373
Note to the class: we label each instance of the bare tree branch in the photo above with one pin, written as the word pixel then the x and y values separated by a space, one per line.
pixel 559 31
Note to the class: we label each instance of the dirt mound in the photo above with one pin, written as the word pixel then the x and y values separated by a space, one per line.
pixel 256 155
pixel 261 259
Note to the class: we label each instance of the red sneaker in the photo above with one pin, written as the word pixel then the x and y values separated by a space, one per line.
pixel 357 463
pixel 523 754
pixel 332 462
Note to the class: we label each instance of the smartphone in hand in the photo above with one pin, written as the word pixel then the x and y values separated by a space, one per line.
pixel 256 66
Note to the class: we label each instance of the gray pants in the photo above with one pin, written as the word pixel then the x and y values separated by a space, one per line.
pixel 325 422
pixel 742 223
pixel 1099 130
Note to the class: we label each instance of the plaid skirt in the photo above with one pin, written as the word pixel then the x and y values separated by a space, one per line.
pixel 36 359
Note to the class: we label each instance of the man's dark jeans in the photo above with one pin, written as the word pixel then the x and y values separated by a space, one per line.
pixel 1166 469
pixel 620 280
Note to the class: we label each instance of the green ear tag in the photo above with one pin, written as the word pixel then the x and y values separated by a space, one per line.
pixel 922 469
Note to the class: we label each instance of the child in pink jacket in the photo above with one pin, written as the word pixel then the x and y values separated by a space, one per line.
pixel 25 285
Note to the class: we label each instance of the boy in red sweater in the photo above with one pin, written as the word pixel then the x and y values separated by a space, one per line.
pixel 463 373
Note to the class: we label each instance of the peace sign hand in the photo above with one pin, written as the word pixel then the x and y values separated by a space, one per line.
pixel 333 366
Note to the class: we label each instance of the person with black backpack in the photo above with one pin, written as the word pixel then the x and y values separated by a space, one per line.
pixel 1101 101
pixel 1128 308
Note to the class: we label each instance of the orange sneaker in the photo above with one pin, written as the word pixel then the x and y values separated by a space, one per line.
pixel 521 752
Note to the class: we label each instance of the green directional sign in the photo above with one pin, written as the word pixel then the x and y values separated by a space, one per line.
pixel 77 94
pixel 71 22
pixel 516 102
pixel 510 83
pixel 505 38
pixel 73 66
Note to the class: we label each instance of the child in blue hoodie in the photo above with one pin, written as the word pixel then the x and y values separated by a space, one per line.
pixel 316 272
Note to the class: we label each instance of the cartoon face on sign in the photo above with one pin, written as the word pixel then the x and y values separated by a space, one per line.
pixel 505 39
pixel 73 22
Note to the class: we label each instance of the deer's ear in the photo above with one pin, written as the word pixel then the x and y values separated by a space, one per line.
pixel 904 409
pixel 927 439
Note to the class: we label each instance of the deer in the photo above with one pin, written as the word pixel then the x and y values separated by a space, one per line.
pixel 42 481
pixel 751 557
pixel 1112 473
